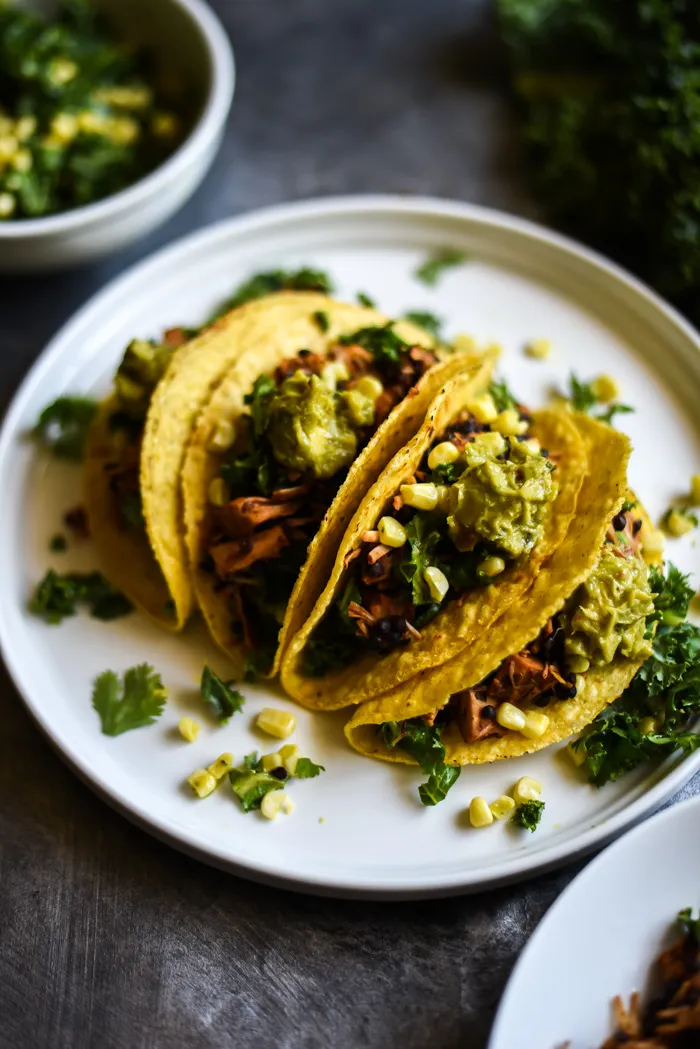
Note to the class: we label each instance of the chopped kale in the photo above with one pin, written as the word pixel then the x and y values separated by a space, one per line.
pixel 428 321
pixel 364 300
pixel 528 815
pixel 321 319
pixel 58 543
pixel 62 427
pixel 135 701
pixel 446 473
pixel 223 700
pixel 423 743
pixel 387 348
pixel 261 284
pixel 423 537
pixel 433 268
pixel 57 597
pixel 251 783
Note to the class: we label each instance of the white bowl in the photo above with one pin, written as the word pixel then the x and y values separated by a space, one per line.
pixel 187 35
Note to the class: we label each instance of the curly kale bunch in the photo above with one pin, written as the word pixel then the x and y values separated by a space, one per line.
pixel 611 92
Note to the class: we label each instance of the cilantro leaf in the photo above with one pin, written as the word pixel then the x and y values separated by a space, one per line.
pixel 320 318
pixel 581 394
pixel 223 700
pixel 447 473
pixel 263 388
pixel 365 300
pixel 428 321
pixel 62 426
pixel 423 537
pixel 250 783
pixel 430 271
pixel 528 815
pixel 306 769
pixel 57 597
pixel 615 409
pixel 423 743
pixel 137 700
pixel 261 284
pixel 502 397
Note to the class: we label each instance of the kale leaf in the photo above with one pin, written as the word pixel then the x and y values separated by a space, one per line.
pixel 223 700
pixel 58 595
pixel 418 554
pixel 62 427
pixel 307 769
pixel 387 348
pixel 135 701
pixel 430 271
pixel 261 284
pixel 423 743
pixel 251 783
pixel 425 320
pixel 528 815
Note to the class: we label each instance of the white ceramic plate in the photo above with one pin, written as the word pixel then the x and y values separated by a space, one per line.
pixel 602 936
pixel 360 828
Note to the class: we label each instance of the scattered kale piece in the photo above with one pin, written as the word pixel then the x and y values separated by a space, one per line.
pixel 261 284
pixel 307 769
pixel 251 783
pixel 58 544
pixel 435 265
pixel 681 511
pixel 135 701
pixel 609 93
pixel 423 743
pixel 62 426
pixel 583 399
pixel 364 300
pixel 57 597
pixel 528 815
pixel 428 321
pixel 223 700
pixel 614 409
pixel 321 319
pixel 649 722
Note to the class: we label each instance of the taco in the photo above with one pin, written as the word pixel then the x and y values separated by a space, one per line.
pixel 282 456
pixel 572 646
pixel 452 534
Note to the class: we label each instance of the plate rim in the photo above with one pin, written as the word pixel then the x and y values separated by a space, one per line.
pixel 589 873
pixel 524 863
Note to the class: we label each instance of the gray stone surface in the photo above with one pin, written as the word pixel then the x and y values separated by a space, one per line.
pixel 108 939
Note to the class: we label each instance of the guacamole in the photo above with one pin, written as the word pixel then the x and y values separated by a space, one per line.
pixel 309 428
pixel 501 501
pixel 607 614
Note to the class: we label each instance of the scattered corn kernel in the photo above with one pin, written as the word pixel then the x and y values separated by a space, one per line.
pixel 65 127
pixel 165 125
pixel 218 492
pixel 62 71
pixel 189 729
pixel 480 814
pixel 536 724
pixel 91 123
pixel 22 161
pixel 271 803
pixel 577 754
pixel 122 130
pixel 272 761
pixel 526 789
pixel 25 128
pixel 135 97
pixel 420 496
pixel 7 205
pixel 290 755
pixel 605 388
pixel 577 664
pixel 202 782
pixel 437 583
pixel 678 524
pixel 492 566
pixel 695 489
pixel 510 716
pixel 391 532
pixel 442 453
pixel 222 765
pixel 8 147
pixel 538 349
pixel 278 723
pixel 370 386
pixel 653 545
pixel 501 807
pixel 490 442
pixel 483 409
pixel 223 437
pixel 509 423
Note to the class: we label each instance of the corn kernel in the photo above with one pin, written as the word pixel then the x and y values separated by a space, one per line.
pixel 8 147
pixel 91 123
pixel 538 349
pixel 64 127
pixel 678 524
pixel 271 803
pixel 272 761
pixel 62 71
pixel 290 755
pixel 437 583
pixel 510 716
pixel 501 807
pixel 526 789
pixel 492 566
pixel 22 161
pixel 202 782
pixel 491 442
pixel 420 496
pixel 165 125
pixel 695 489
pixel 653 545
pixel 391 532
pixel 442 453
pixel 223 437
pixel 576 754
pixel 7 205
pixel 25 128
pixel 444 503
pixel 480 814
pixel 7 126
pixel 483 409
pixel 122 130
pixel 536 724
pixel 218 492
pixel 577 664
pixel 647 725
pixel 370 386
pixel 222 765
pixel 605 388
pixel 288 805
pixel 136 97
pixel 277 723
pixel 189 729
pixel 509 423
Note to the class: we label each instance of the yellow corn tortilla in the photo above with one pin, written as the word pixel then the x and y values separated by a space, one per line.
pixel 600 499
pixel 455 629
pixel 262 353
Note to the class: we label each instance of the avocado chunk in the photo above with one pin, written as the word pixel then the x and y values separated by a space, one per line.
pixel 308 427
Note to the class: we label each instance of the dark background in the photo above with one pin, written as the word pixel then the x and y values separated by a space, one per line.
pixel 107 938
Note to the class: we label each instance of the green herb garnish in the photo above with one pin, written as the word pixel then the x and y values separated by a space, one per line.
pixel 137 700
pixel 689 924
pixel 583 399
pixel 58 544
pixel 223 700
pixel 57 597
pixel 307 769
pixel 502 397
pixel 423 743
pixel 528 815
pixel 321 320
pixel 364 300
pixel 432 269
pixel 251 783
pixel 428 321
pixel 62 427
pixel 256 287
